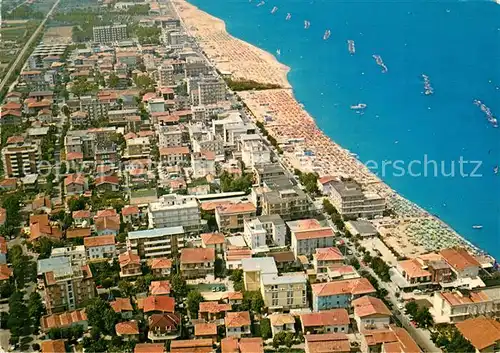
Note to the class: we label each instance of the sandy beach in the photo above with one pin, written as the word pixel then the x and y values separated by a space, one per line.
pixel 412 231
pixel 230 54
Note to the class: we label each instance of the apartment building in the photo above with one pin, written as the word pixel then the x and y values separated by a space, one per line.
pixel 76 254
pixel 169 136
pixel 166 75
pixel 325 258
pixel 80 141
pixel 196 66
pixel 289 203
pixel 138 147
pixel 205 90
pixel 174 155
pixel 308 235
pixel 255 235
pixel 352 202
pixel 459 305
pixel 230 217
pixel 108 34
pixel 175 210
pixel 203 164
pixel 67 286
pixel 197 262
pixel 339 294
pixel 157 242
pixel 254 269
pixel 265 172
pixel 284 292
pixel 20 159
pixel 95 108
pixel 254 151
pixel 230 126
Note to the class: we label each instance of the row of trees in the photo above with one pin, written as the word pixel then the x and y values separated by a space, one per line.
pixel 270 138
pixel 449 339
pixel 247 85
pixel 229 182
pixel 420 315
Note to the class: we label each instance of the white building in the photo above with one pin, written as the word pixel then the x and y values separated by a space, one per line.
pixel 156 243
pixel 169 136
pixel 100 247
pixel 255 234
pixel 166 76
pixel 108 34
pixel 230 127
pixel 284 292
pixel 275 228
pixel 371 313
pixel 138 147
pixel 156 105
pixel 308 235
pixel 203 164
pixel 175 210
pixel 253 150
pixel 75 253
pixel 206 90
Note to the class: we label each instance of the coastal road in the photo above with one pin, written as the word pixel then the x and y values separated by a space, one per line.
pixel 26 47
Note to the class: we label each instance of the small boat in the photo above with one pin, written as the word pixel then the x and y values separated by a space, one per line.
pixel 288 16
pixel 351 47
pixel 274 9
pixel 307 24
pixel 261 3
pixel 278 52
pixel 495 170
pixel 380 62
pixel 477 227
pixel 358 106
pixel 327 34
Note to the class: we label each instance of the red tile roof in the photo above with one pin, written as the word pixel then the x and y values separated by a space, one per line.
pixel 197 255
pixel 236 208
pixel 127 328
pixel 251 345
pixel 53 346
pixel 111 223
pixel 107 179
pixel 64 319
pixel 335 317
pixel 78 233
pixel 192 346
pixel 327 343
pixel 121 304
pixel 101 240
pixel 160 263
pixel 159 288
pixel 169 321
pixel 459 258
pixel 237 319
pixel 5 272
pixel 214 307
pixel 167 151
pixel 328 254
pixel 128 258
pixel 205 329
pixel 481 332
pixel 81 214
pixel 149 348
pixel 355 286
pixel 78 179
pixel 130 210
pixel 158 303
pixel 212 238
pixel 456 298
pixel 368 306
pixel 413 268
pixel 71 156
pixel 314 233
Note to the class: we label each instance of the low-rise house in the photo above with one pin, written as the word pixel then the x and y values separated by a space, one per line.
pixel 78 233
pixel 371 313
pixel 75 184
pixel 123 307
pixel 237 324
pixel 328 343
pixel 230 217
pixel 53 346
pixel 281 323
pixel 107 183
pixel 203 164
pixel 163 326
pixel 81 218
pixel 242 345
pixel 339 294
pixel 284 259
pixel 107 225
pixel 361 228
pixel 215 241
pixel 308 235
pixel 155 304
pixel 197 262
pixel 211 311
pixel 328 321
pixel 235 298
pixel 41 227
pixel 127 330
pixel 159 288
pixel 64 320
pixel 461 262
pixel 174 155
pixel 392 339
pixel 131 214
pixel 206 331
pixel 195 346
pixel 160 267
pixel 325 258
pixel 100 247
pixel 130 264
pixel 149 348
pixel 414 273
pixel 482 332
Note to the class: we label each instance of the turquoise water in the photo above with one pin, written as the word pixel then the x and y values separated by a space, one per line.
pixel 455 43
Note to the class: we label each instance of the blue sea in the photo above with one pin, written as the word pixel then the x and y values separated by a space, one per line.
pixel 455 43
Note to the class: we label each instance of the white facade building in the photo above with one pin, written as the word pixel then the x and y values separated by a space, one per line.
pixel 255 234
pixel 175 210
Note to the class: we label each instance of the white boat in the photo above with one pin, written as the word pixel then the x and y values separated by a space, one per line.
pixel 477 227
pixel 327 34
pixel 278 52
pixel 288 16
pixel 261 3
pixel 307 24
pixel 274 9
pixel 351 46
pixel 358 106
pixel 495 170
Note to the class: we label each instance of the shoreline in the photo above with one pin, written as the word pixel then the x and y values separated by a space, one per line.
pixel 413 231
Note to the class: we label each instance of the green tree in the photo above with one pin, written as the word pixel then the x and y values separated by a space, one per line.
pixel 179 287
pixel 328 207
pixel 194 298
pixel 279 339
pixel 35 309
pixel 310 182
pixel 424 318
pixel 113 81
pixel 411 308
pixel 265 328
pixel 289 339
pixel 220 268
pixel 237 278
pixel 126 288
pixel 101 316
pixel 77 203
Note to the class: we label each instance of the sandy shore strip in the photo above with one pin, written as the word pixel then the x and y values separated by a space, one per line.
pixel 229 54
pixel 412 231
